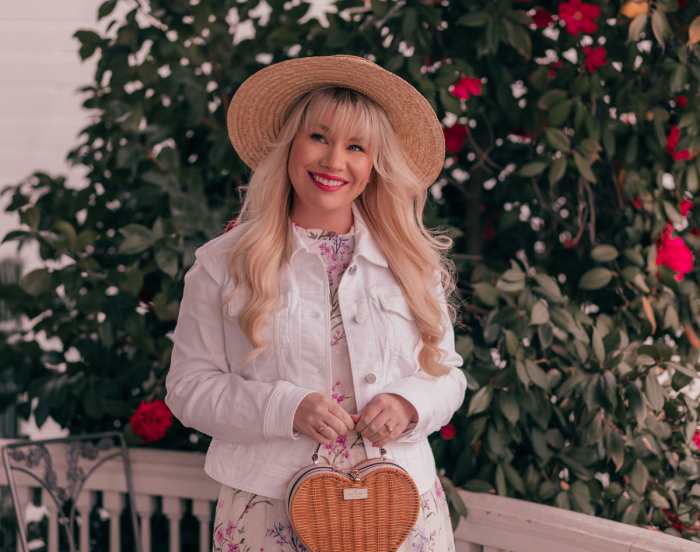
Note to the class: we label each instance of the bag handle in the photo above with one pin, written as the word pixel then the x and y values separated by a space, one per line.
pixel 314 457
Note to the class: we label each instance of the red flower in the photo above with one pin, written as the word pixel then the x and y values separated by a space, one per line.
pixel 556 65
pixel 542 18
pixel 579 16
pixel 637 203
pixel 595 58
pixel 455 137
pixel 682 3
pixel 230 225
pixel 151 421
pixel 673 253
pixel 696 439
pixel 569 243
pixel 467 87
pixel 686 206
pixel 523 133
pixel 694 231
pixel 682 101
pixel 672 139
pixel 672 143
pixel 448 432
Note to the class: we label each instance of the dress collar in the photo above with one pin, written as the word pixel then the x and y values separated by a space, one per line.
pixel 365 246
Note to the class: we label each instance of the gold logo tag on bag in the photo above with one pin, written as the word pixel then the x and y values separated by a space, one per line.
pixel 355 494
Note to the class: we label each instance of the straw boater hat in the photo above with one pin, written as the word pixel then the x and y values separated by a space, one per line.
pixel 258 108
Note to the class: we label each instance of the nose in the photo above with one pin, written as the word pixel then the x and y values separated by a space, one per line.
pixel 333 160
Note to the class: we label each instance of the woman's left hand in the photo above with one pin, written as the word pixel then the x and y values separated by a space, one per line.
pixel 385 409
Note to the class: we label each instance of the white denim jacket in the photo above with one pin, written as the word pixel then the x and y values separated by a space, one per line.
pixel 249 411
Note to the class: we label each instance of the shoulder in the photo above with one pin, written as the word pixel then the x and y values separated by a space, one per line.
pixel 214 255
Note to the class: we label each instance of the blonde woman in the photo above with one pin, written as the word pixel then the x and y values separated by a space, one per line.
pixel 325 314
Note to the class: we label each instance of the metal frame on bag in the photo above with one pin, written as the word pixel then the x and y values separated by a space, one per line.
pixel 78 446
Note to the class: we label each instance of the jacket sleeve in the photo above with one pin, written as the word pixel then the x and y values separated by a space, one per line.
pixel 202 391
pixel 435 399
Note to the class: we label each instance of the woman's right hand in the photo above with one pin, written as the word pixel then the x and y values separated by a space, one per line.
pixel 314 411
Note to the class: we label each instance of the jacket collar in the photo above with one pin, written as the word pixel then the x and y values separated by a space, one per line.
pixel 365 246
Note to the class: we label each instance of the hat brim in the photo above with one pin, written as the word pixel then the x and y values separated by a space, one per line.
pixel 258 108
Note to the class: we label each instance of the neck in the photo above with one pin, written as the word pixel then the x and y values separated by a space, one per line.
pixel 339 220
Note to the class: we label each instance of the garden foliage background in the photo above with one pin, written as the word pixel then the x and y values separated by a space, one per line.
pixel 569 185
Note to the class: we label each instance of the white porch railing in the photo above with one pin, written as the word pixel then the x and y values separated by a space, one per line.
pixel 494 524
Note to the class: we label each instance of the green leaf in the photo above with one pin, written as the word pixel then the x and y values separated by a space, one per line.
pixel 537 375
pixel 36 282
pixel 137 238
pixel 539 315
pixel 522 372
pixel 548 99
pixel 660 27
pixel 513 477
pixel 117 409
pixel 604 253
pixel 501 488
pixel 653 391
pixel 512 344
pixel 473 19
pixel 486 294
pixel 557 170
pixel 508 405
pixel 639 476
pixel 167 261
pixel 557 139
pixel 532 169
pixel 595 278
pixel 106 334
pixel 683 369
pixel 657 500
pixel 480 401
pixel 106 8
pixel 598 347
pixel 584 168
pixel 559 113
pixel 636 27
pixel 478 486
pixel 31 216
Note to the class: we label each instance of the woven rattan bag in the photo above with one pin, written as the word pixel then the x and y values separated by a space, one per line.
pixel 371 507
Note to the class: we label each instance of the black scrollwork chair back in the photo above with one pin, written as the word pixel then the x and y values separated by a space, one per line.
pixel 63 467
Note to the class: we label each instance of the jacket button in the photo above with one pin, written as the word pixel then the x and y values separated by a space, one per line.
pixel 352 270
pixel 359 318
pixel 370 378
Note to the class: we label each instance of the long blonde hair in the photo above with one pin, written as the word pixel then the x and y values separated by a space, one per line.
pixel 392 205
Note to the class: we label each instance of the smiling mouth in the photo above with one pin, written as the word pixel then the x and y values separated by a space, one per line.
pixel 326 181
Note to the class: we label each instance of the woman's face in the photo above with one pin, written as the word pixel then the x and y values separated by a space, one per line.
pixel 327 174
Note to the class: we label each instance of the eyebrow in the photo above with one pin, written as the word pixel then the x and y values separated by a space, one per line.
pixel 353 139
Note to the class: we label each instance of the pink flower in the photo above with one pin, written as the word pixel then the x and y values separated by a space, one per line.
pixel 232 547
pixel 230 528
pixel 673 253
pixel 696 439
pixel 595 58
pixel 466 88
pixel 455 137
pixel 438 490
pixel 579 16
pixel 219 537
pixel 672 139
pixel 686 206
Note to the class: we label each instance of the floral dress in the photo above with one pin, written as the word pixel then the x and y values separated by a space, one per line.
pixel 246 522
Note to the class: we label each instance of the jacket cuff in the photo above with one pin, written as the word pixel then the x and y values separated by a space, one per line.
pixel 279 414
pixel 413 394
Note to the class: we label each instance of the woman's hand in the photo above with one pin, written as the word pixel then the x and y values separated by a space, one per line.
pixel 316 411
pixel 384 409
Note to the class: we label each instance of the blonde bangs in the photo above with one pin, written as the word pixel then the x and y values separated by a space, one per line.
pixel 350 117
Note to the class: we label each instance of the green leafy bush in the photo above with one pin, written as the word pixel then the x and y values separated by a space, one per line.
pixel 572 134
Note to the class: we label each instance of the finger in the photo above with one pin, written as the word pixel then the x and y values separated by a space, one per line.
pixel 368 415
pixel 343 417
pixel 390 436
pixel 377 429
pixel 327 435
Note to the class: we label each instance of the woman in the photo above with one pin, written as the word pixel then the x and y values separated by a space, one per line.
pixel 324 315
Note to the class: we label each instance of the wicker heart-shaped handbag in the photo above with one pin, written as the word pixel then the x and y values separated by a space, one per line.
pixel 371 507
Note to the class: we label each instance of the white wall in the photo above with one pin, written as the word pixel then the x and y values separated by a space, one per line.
pixel 41 109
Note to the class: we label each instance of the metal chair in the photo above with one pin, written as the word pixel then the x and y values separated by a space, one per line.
pixel 83 455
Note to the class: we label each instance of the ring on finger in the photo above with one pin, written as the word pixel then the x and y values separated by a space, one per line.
pixel 390 428
pixel 321 428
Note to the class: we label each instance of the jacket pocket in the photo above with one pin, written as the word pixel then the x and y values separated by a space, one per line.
pixel 404 335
